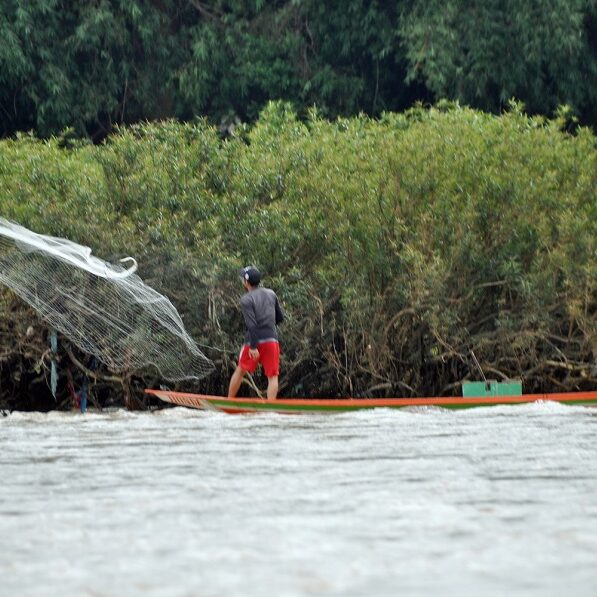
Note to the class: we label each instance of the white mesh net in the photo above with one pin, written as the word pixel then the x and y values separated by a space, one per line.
pixel 105 309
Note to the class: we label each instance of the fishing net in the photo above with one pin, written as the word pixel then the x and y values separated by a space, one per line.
pixel 105 309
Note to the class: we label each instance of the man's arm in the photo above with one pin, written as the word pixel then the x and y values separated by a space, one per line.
pixel 279 313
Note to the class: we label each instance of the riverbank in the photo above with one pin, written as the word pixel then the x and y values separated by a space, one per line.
pixel 398 246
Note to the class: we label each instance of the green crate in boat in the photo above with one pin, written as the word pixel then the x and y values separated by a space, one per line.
pixel 491 387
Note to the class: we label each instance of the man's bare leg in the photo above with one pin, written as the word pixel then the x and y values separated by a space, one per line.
pixel 235 381
pixel 272 387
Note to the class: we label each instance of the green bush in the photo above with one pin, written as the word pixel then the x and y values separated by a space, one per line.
pixel 396 245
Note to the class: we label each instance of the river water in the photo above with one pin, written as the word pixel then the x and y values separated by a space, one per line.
pixel 492 501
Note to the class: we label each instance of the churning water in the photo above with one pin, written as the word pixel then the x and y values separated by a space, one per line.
pixel 490 501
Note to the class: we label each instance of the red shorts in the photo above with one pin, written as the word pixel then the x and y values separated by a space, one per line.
pixel 269 357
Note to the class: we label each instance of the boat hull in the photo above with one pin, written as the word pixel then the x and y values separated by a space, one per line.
pixel 333 405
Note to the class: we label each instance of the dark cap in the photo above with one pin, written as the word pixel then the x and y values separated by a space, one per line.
pixel 251 274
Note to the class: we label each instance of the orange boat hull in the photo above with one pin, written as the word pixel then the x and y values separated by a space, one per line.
pixel 305 405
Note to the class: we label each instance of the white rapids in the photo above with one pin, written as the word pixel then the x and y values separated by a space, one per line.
pixel 493 501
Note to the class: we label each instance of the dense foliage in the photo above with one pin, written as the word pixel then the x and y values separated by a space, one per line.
pixel 396 245
pixel 89 65
pixel 485 52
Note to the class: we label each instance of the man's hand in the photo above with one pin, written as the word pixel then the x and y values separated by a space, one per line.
pixel 253 353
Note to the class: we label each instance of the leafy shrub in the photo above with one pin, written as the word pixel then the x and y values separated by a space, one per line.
pixel 397 245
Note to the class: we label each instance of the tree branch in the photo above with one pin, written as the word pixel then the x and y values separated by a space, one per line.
pixel 89 372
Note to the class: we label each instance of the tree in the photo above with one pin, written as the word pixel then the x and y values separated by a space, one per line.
pixel 85 65
pixel 342 55
pixel 485 52
pixel 90 65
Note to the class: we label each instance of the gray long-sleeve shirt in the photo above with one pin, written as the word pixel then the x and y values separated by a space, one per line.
pixel 262 313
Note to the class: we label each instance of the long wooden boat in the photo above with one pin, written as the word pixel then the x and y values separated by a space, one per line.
pixel 315 405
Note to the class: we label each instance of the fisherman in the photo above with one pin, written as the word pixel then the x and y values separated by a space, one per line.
pixel 262 314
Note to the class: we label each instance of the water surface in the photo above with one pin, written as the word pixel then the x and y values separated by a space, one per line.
pixel 422 502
